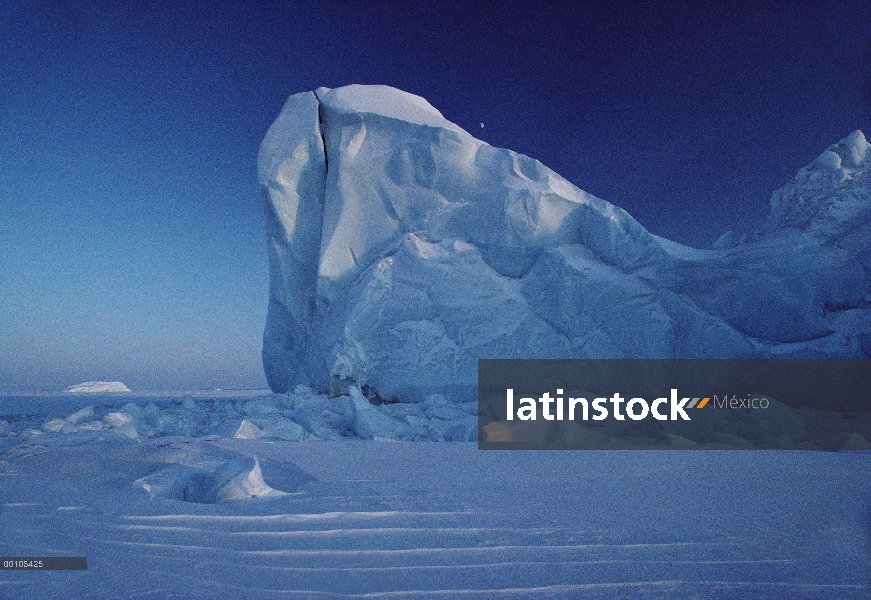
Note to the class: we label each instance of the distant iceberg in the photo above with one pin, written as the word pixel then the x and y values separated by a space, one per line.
pixel 402 249
pixel 98 387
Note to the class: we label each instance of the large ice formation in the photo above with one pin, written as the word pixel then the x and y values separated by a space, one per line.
pixel 402 249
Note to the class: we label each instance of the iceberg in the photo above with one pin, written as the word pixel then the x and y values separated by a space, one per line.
pixel 98 387
pixel 402 249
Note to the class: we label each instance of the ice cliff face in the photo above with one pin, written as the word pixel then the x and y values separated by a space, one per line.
pixel 402 249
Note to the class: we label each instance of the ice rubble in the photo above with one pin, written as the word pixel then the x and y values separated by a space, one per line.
pixel 302 415
pixel 402 249
pixel 306 416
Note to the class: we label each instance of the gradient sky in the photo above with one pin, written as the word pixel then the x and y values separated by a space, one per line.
pixel 132 244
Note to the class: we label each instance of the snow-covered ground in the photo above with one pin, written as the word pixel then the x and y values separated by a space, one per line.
pixel 207 515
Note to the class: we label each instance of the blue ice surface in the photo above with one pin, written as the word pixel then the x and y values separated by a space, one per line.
pixel 59 404
pixel 35 409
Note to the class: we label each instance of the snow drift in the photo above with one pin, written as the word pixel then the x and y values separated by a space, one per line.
pixel 402 249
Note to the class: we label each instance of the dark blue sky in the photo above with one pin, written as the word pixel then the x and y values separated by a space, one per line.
pixel 131 231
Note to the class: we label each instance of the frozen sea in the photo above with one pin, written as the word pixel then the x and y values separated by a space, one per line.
pixel 376 519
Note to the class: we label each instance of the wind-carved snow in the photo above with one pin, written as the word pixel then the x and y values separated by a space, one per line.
pixel 403 249
pixel 209 477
